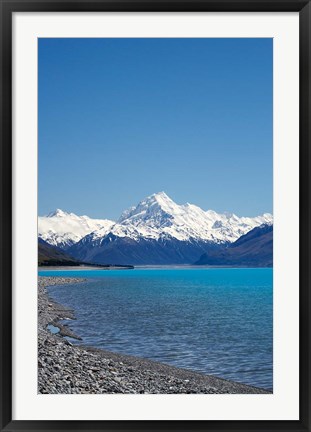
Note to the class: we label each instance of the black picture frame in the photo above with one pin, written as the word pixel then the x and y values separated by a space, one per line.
pixel 8 7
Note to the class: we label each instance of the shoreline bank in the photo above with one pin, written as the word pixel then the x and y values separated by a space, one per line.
pixel 64 368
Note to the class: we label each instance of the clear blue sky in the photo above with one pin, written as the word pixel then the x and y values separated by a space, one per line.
pixel 120 119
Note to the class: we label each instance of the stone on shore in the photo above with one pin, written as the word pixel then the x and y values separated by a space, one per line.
pixel 64 368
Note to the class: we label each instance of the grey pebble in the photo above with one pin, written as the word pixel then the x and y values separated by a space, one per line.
pixel 64 368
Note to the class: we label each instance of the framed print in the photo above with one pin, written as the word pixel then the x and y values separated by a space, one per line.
pixel 155 215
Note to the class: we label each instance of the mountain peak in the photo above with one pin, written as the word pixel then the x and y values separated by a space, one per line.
pixel 161 194
pixel 159 197
pixel 152 209
pixel 58 212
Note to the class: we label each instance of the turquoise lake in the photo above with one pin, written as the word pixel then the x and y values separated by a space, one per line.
pixel 214 321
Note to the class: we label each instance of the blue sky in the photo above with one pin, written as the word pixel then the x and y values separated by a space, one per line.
pixel 120 119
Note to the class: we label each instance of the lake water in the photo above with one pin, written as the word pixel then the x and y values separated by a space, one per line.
pixel 215 321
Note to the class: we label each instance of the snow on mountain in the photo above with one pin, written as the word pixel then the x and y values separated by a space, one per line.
pixel 63 229
pixel 156 226
pixel 159 231
pixel 158 215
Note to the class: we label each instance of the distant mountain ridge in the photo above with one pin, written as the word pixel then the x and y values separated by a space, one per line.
pixel 252 249
pixel 155 231
pixel 51 255
pixel 64 229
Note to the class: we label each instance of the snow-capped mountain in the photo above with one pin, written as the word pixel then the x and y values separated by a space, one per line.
pixel 64 229
pixel 254 249
pixel 158 215
pixel 159 231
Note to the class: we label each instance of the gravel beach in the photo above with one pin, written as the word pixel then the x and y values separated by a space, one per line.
pixel 64 368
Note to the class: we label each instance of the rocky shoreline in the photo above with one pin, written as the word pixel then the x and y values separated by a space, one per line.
pixel 64 368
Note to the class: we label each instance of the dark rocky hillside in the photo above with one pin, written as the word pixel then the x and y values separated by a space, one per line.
pixel 124 250
pixel 254 249
pixel 52 256
pixel 49 255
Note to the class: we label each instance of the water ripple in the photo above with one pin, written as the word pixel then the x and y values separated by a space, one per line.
pixel 216 321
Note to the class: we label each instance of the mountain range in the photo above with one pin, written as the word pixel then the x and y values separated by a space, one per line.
pixel 252 249
pixel 155 231
pixel 64 229
pixel 49 255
